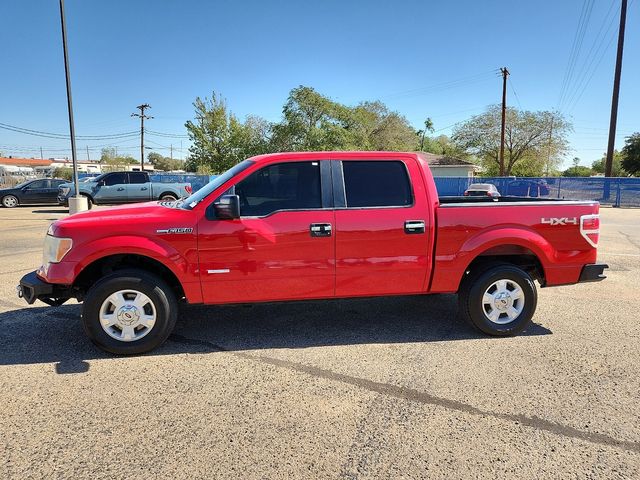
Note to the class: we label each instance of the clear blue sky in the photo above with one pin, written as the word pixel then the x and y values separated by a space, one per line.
pixel 165 53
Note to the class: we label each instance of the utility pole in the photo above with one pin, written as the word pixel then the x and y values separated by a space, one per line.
pixel 505 74
pixel 142 116
pixel 171 148
pixel 41 156
pixel 88 154
pixel 549 146
pixel 75 203
pixel 616 93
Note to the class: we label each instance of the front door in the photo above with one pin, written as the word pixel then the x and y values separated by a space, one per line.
pixel 35 192
pixel 114 189
pixel 382 228
pixel 282 247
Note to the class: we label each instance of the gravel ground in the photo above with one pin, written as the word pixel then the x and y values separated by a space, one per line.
pixel 367 388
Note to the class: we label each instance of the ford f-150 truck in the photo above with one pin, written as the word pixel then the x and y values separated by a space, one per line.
pixel 123 187
pixel 295 226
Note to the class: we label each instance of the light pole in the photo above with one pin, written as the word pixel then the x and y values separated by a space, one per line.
pixel 77 202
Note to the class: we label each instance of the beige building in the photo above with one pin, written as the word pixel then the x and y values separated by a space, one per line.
pixel 444 166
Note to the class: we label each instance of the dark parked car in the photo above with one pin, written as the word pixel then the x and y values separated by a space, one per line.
pixel 528 188
pixel 44 190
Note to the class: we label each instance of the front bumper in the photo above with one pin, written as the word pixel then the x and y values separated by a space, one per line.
pixel 32 288
pixel 593 272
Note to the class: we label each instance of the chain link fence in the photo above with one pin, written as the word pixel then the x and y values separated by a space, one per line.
pixel 617 192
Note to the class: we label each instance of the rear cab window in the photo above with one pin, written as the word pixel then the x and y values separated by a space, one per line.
pixel 378 183
pixel 138 177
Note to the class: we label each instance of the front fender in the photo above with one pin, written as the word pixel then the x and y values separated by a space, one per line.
pixel 87 253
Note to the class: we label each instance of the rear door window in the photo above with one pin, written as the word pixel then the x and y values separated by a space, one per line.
pixel 376 184
pixel 138 177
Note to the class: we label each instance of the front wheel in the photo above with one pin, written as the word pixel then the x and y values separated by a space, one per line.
pixel 499 301
pixel 10 201
pixel 129 312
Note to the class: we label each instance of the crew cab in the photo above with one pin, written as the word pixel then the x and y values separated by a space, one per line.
pixel 314 225
pixel 123 187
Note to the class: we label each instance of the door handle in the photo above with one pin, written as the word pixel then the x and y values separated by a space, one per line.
pixel 413 226
pixel 143 188
pixel 120 189
pixel 320 229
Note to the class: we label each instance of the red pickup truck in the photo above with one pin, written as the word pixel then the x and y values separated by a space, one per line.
pixel 313 225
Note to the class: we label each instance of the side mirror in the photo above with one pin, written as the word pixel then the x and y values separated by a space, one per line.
pixel 100 183
pixel 227 207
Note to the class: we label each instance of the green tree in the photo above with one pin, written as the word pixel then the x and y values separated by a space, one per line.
pixel 108 157
pixel 160 162
pixel 631 154
pixel 312 121
pixel 577 170
pixel 442 145
pixel 616 168
pixel 530 138
pixel 219 139
pixel 63 172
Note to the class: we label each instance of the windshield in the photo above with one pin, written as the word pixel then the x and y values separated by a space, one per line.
pixel 190 202
pixel 23 184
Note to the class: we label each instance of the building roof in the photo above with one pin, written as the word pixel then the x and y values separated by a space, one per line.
pixel 436 160
pixel 25 162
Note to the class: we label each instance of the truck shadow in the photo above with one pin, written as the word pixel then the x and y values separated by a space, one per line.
pixel 55 335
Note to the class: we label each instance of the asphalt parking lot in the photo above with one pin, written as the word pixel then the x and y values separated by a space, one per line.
pixel 367 388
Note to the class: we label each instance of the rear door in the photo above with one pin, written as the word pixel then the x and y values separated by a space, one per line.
pixel 382 227
pixel 139 188
pixel 282 247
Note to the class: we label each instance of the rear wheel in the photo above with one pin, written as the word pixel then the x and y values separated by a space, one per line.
pixel 10 201
pixel 168 197
pixel 499 301
pixel 129 312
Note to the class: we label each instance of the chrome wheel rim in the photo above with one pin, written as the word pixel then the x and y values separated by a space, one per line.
pixel 127 315
pixel 9 201
pixel 503 302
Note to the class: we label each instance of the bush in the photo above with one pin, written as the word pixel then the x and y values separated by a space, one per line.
pixel 65 173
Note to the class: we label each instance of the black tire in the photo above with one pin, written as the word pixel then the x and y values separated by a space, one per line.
pixel 157 291
pixel 475 311
pixel 168 197
pixel 10 201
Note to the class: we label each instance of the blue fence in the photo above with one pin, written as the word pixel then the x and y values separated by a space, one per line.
pixel 623 192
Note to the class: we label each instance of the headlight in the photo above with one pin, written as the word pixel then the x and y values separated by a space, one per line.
pixel 55 249
pixel 64 190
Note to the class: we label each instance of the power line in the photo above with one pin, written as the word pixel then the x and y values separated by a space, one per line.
pixel 62 136
pixel 479 77
pixel 514 92
pixel 583 21
pixel 592 62
pixel 168 135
